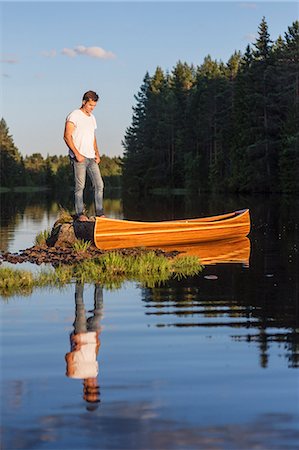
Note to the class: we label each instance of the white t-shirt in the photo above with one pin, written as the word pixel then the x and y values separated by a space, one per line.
pixel 83 362
pixel 83 134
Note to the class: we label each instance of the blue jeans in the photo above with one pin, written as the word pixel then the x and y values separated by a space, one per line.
pixel 82 324
pixel 91 167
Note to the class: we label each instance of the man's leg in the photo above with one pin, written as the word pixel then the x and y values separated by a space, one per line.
pixel 80 323
pixel 94 322
pixel 98 185
pixel 80 178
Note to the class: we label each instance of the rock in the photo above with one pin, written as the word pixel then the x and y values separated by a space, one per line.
pixel 66 234
pixel 62 236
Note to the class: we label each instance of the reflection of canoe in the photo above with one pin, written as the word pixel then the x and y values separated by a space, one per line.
pixel 223 251
pixel 115 233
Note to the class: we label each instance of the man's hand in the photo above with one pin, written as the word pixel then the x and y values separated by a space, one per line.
pixel 96 150
pixel 80 158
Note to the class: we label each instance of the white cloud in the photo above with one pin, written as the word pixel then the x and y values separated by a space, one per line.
pixel 92 52
pixel 68 52
pixel 49 54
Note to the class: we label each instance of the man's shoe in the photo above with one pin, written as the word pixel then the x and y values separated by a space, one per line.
pixel 82 218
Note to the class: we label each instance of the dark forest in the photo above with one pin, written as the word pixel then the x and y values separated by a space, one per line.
pixel 219 127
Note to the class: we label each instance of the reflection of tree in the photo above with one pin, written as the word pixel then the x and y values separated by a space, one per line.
pixel 136 208
pixel 12 210
pixel 82 359
pixel 113 207
pixel 236 300
pixel 18 206
pixel 289 341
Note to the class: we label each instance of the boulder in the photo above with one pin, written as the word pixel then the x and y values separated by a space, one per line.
pixel 62 235
pixel 66 234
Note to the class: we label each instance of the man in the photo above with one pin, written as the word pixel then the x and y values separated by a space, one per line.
pixel 79 136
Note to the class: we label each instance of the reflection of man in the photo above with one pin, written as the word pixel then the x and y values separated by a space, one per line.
pixel 82 359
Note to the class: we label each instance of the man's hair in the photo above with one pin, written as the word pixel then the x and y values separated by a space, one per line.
pixel 90 95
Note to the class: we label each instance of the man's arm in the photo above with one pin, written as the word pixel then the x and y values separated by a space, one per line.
pixel 96 150
pixel 68 131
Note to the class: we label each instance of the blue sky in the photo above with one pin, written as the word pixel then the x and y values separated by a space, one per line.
pixel 52 52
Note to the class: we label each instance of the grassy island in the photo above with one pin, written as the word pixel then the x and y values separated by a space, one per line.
pixel 65 258
pixel 110 269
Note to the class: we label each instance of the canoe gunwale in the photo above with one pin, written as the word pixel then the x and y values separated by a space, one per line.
pixel 212 219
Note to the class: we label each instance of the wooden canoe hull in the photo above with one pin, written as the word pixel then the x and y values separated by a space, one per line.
pixel 114 233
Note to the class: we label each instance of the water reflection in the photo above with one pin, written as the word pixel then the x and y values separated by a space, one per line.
pixel 24 215
pixel 81 361
pixel 226 302
pixel 225 251
pixel 194 354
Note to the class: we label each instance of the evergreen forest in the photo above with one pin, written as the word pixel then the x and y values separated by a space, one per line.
pixel 219 127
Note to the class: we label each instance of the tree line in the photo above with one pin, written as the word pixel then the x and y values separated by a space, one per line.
pixel 219 127
pixel 53 172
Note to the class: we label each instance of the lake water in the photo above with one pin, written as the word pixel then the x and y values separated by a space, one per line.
pixel 207 362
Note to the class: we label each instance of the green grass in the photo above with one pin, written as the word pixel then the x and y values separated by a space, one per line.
pixel 41 238
pixel 185 266
pixel 15 281
pixel 81 245
pixel 111 270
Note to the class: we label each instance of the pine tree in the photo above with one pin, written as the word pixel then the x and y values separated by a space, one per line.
pixel 158 132
pixel 263 44
pixel 289 75
pixel 261 151
pixel 11 162
pixel 134 142
pixel 182 81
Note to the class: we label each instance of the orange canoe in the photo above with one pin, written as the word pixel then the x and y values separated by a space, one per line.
pixel 115 233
